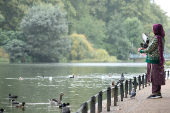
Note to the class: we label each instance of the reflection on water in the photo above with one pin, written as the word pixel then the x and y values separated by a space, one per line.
pixel 36 90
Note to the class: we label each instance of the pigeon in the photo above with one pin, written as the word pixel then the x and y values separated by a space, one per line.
pixel 133 93
pixel 122 78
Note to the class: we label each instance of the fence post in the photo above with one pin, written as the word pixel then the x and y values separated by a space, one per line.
pixel 143 80
pixel 100 102
pixel 108 98
pixel 126 88
pixel 135 84
pixel 139 80
pixel 121 91
pixel 85 107
pixel 146 80
pixel 130 86
pixel 115 95
pixel 92 104
pixel 168 74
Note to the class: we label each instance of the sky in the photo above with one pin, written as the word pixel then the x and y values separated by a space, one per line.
pixel 164 4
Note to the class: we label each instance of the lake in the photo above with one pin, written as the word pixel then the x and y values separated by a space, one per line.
pixel 36 91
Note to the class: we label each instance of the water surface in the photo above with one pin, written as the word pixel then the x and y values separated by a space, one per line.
pixel 36 90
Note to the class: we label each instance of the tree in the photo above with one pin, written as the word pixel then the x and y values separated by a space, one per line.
pixel 46 26
pixel 81 48
pixel 16 50
pixel 93 29
pixel 134 31
pixel 117 43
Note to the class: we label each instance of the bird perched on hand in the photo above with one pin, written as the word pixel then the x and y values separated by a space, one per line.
pixel 1 110
pixel 133 93
pixel 58 101
pixel 12 96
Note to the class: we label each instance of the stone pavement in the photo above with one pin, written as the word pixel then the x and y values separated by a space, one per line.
pixel 141 104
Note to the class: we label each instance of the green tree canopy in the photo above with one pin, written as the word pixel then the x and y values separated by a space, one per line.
pixel 93 29
pixel 134 31
pixel 117 43
pixel 46 26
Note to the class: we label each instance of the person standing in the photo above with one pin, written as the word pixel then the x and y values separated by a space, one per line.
pixel 155 60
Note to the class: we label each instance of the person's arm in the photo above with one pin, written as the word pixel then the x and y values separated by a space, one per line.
pixel 151 47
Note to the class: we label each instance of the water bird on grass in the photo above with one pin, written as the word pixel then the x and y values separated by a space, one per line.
pixel 14 102
pixel 133 93
pixel 2 110
pixel 58 101
pixel 12 96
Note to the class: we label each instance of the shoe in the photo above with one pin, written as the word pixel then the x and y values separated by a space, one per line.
pixel 159 95
pixel 152 96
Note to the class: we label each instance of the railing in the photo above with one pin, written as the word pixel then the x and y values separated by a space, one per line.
pixel 142 81
pixel 143 56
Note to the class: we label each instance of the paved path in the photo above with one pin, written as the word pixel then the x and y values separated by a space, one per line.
pixel 141 104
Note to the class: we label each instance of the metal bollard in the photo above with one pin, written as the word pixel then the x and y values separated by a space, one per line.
pixel 139 80
pixel 168 74
pixel 100 102
pixel 92 104
pixel 143 80
pixel 130 86
pixel 135 84
pixel 146 80
pixel 108 98
pixel 115 95
pixel 126 88
pixel 85 107
pixel 121 91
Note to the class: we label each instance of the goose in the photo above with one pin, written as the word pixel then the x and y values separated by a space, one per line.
pixel 13 96
pixel 1 110
pixel 58 101
pixel 14 102
pixel 21 105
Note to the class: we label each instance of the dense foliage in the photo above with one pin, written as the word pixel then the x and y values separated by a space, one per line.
pixel 46 28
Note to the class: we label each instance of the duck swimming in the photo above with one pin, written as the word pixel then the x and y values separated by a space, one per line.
pixel 1 110
pixel 13 96
pixel 14 102
pixel 21 105
pixel 58 101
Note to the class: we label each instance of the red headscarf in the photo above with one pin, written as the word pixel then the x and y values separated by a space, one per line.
pixel 159 33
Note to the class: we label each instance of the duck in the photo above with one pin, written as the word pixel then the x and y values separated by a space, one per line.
pixel 1 110
pixel 65 108
pixel 20 105
pixel 12 96
pixel 63 105
pixel 58 102
pixel 14 102
pixel 20 78
pixel 72 76
pixel 50 78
